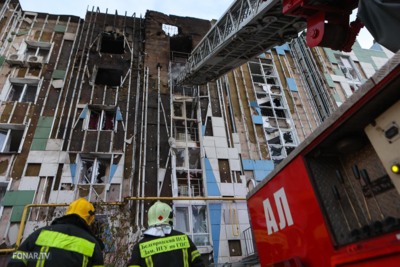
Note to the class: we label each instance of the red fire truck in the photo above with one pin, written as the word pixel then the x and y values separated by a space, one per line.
pixel 335 200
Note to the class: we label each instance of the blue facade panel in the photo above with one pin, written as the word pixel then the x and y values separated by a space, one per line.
pixel 292 84
pixel 257 119
pixel 215 220
pixel 212 186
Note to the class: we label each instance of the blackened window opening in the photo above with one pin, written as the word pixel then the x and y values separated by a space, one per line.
pixel 109 77
pixel 112 43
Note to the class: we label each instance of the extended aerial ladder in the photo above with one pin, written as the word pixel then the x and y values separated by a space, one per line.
pixel 250 27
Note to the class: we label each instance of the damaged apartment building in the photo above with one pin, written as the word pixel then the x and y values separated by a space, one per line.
pixel 90 108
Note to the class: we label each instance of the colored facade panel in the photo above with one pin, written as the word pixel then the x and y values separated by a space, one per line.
pixel 292 84
pixel 17 200
pixel 42 133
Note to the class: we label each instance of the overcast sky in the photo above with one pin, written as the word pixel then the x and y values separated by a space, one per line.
pixel 204 9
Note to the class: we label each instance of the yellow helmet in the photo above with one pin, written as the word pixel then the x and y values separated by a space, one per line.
pixel 83 209
pixel 159 213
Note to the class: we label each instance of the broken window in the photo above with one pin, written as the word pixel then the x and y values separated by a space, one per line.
pixel 276 151
pixel 193 221
pixel 289 149
pixel 94 170
pixel 224 171
pixel 235 248
pixel 109 77
pixel 258 79
pixel 112 43
pixel 178 109
pixel 280 113
pixel 189 185
pixel 276 140
pixel 22 93
pixel 255 68
pixel 268 70
pixel 66 186
pixel 267 112
pixel 182 219
pixel 180 157
pixel 271 81
pixel 10 139
pixel 180 47
pixel 288 138
pixel 183 184
pixel 196 183
pixel 179 130
pixel 101 120
pixel 277 102
pixel 191 111
pixel 42 197
pixel 194 158
pixel 200 229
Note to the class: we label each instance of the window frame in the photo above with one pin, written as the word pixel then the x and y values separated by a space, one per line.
pixel 190 224
pixel 103 114
pixel 95 165
pixel 23 93
pixel 7 130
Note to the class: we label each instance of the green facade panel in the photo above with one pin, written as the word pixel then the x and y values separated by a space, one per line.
pixel 329 80
pixel 17 200
pixel 42 133
pixel 60 28
pixel 58 74
pixel 39 144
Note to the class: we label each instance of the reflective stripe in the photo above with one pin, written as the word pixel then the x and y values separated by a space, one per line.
pixel 185 258
pixel 195 254
pixel 165 244
pixel 149 262
pixel 42 258
pixel 66 242
pixel 85 261
pixel 19 255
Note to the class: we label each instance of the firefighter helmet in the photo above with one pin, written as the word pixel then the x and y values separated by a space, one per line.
pixel 83 209
pixel 159 213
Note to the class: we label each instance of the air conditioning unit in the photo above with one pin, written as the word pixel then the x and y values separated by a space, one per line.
pixel 34 61
pixel 15 59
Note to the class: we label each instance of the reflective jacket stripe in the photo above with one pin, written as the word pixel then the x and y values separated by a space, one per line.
pixel 42 257
pixel 149 261
pixel 66 242
pixel 195 254
pixel 185 258
pixel 85 261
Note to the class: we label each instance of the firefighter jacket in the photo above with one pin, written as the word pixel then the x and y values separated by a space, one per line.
pixel 67 242
pixel 171 250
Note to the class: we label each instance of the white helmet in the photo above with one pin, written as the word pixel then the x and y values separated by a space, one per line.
pixel 159 213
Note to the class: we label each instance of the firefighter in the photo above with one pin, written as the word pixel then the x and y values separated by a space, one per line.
pixel 163 246
pixel 68 241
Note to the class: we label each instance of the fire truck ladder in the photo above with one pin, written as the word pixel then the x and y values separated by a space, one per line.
pixel 247 28
pixel 250 27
